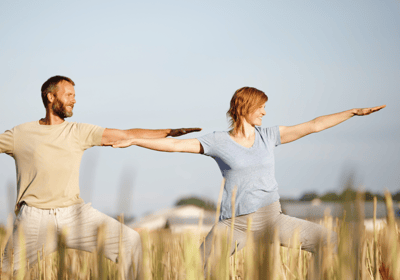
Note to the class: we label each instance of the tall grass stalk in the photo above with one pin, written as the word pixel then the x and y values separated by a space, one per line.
pixel 22 253
pixel 231 240
pixel 390 243
pixel 147 257
pixel 1 261
pixel 217 214
pixel 62 247
pixel 101 263
pixel 249 262
pixel 192 257
pixel 375 241
pixel 121 260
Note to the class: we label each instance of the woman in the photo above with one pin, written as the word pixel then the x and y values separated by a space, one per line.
pixel 245 156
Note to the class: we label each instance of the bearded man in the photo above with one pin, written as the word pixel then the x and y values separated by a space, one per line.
pixel 48 153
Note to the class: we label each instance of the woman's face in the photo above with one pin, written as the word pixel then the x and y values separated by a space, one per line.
pixel 255 118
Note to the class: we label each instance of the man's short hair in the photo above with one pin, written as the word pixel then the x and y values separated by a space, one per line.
pixel 50 86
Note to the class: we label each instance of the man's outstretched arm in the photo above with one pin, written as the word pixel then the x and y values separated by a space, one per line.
pixel 111 136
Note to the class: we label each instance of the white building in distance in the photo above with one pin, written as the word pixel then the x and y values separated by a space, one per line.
pixel 178 219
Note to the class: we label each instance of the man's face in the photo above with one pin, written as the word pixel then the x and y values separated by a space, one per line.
pixel 64 101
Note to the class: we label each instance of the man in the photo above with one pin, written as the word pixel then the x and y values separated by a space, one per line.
pixel 48 153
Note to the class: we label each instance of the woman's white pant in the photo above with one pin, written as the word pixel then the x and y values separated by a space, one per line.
pixel 264 222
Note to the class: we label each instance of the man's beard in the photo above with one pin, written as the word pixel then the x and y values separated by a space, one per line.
pixel 60 109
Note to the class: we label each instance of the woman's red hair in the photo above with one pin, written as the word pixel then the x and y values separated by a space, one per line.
pixel 244 101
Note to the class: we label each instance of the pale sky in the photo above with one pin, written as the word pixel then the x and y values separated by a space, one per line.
pixel 172 64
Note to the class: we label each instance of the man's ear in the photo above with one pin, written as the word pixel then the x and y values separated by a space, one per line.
pixel 51 97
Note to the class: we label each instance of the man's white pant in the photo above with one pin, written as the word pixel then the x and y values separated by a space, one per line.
pixel 82 222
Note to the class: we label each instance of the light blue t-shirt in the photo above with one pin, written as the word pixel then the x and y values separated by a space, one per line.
pixel 251 170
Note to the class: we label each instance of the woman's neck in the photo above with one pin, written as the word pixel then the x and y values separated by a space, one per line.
pixel 246 131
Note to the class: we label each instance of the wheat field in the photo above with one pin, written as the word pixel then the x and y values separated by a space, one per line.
pixel 359 255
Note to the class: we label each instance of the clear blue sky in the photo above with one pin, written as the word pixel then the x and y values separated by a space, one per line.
pixel 163 64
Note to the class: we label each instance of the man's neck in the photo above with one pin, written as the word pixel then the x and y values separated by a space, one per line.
pixel 51 119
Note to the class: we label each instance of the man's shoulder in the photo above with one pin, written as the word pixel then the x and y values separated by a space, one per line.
pixel 34 125
pixel 27 125
pixel 85 129
pixel 79 125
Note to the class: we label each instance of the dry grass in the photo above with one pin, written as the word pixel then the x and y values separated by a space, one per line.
pixel 360 255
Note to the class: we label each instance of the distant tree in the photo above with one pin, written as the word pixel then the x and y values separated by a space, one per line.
pixel 348 195
pixel 203 203
pixel 380 197
pixel 308 196
pixel 287 199
pixel 369 196
pixel 396 196
pixel 331 197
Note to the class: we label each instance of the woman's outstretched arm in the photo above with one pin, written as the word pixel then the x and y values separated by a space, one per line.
pixel 292 133
pixel 164 145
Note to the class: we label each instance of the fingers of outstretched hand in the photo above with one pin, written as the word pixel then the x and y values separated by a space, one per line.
pixel 120 144
pixel 379 107
pixel 183 131
pixel 115 145
pixel 188 130
pixel 367 111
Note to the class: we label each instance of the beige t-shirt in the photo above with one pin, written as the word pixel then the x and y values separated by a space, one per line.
pixel 47 158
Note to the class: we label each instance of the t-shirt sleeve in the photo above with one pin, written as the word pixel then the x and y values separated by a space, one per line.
pixel 89 135
pixel 208 143
pixel 7 142
pixel 272 134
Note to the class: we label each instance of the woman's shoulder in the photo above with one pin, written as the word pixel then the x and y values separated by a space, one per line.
pixel 264 130
pixel 269 134
pixel 215 136
pixel 212 142
pixel 221 133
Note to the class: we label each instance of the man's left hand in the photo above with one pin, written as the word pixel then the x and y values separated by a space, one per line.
pixel 182 131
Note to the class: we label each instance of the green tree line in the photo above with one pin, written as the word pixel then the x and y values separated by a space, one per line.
pixel 347 194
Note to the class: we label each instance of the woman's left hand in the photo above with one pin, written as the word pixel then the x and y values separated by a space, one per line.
pixel 367 111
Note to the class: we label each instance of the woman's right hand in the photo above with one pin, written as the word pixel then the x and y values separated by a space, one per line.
pixel 123 143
